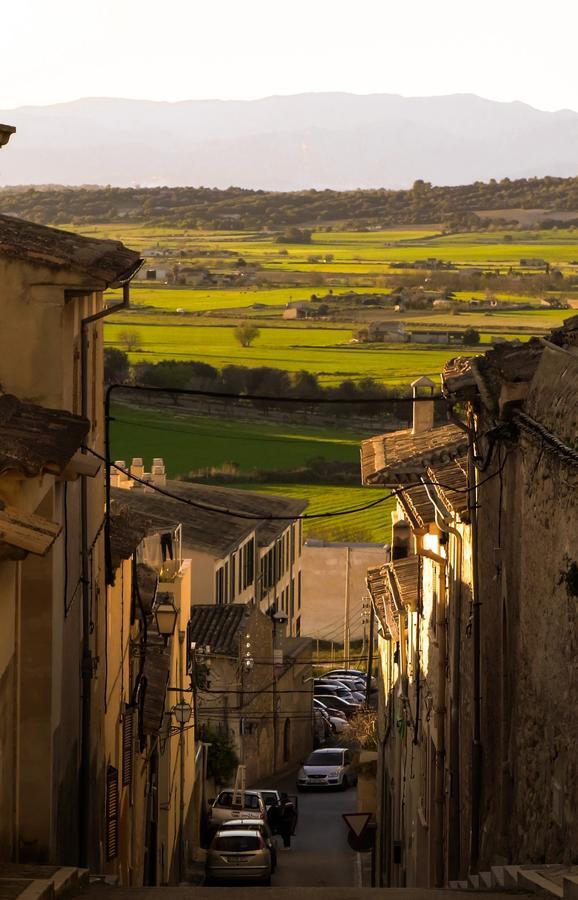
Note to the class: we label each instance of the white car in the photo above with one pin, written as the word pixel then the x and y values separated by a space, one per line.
pixel 356 673
pixel 327 767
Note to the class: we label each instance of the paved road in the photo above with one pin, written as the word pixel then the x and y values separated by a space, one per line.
pixel 319 854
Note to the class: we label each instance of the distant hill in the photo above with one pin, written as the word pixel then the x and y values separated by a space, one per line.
pixel 332 140
pixel 291 214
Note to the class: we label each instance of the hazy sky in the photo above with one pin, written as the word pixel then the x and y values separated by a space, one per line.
pixel 189 49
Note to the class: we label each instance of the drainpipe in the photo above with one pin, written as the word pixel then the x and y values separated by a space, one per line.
pixel 445 523
pixel 439 714
pixel 477 664
pixel 87 661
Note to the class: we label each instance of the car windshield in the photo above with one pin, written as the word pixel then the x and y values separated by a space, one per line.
pixel 237 843
pixel 325 759
pixel 225 799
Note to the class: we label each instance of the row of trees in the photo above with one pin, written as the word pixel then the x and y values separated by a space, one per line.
pixel 264 381
pixel 236 208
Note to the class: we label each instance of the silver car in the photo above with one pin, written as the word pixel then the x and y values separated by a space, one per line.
pixel 327 767
pixel 240 855
pixel 223 809
pixel 255 825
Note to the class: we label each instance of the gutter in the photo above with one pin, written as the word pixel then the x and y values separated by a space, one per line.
pixel 87 660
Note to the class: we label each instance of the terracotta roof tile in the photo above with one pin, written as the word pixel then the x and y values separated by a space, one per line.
pixel 108 261
pixel 218 626
pixel 401 457
pixel 404 580
pixel 378 585
pixel 418 508
pixel 452 481
pixel 127 529
pixel 34 439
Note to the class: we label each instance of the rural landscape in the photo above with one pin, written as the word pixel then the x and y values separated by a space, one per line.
pixel 288 451
pixel 347 313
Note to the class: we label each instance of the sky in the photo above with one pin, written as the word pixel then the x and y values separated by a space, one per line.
pixel 225 49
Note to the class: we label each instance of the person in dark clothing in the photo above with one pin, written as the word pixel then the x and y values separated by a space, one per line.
pixel 286 820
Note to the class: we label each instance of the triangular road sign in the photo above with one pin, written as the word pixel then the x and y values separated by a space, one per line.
pixel 357 822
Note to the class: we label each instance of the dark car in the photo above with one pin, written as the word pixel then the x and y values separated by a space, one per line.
pixel 334 702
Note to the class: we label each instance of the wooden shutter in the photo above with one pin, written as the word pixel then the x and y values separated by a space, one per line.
pixel 127 738
pixel 111 812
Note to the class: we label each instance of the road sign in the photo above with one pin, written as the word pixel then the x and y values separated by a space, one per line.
pixel 361 835
pixel 357 822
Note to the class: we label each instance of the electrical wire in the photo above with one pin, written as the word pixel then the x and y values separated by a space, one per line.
pixel 265 398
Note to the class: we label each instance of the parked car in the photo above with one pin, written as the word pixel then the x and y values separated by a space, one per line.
pixel 240 855
pixel 334 702
pixel 255 825
pixel 336 720
pixel 335 688
pixel 222 808
pixel 356 673
pixel 353 683
pixel 327 767
pixel 345 690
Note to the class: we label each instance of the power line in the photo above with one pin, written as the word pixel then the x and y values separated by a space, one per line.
pixel 268 398
pixel 238 514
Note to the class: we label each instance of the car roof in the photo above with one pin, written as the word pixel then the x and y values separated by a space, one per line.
pixel 239 832
pixel 330 749
pixel 243 823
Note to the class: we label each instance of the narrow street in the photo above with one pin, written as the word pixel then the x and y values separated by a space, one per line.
pixel 320 855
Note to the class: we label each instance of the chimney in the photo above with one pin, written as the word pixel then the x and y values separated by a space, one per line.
pixel 159 472
pixel 423 407
pixel 137 466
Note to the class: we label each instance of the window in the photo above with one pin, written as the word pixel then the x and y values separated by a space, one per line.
pixel 226 597
pixel 220 585
pixel 247 564
pixel 299 591
pixel 233 576
pixel 127 733
pixel 292 598
pixel 292 543
pixel 298 627
pixel 111 836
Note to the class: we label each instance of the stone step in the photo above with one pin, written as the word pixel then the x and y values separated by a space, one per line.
pixel 486 880
pixel 498 877
pixel 570 887
pixel 474 882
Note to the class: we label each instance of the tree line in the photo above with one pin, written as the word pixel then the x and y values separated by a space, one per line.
pixel 262 381
pixel 237 208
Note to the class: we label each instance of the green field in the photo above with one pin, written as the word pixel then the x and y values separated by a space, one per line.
pixel 324 351
pixel 190 443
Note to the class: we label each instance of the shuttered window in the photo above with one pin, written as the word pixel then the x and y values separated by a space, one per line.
pixel 127 736
pixel 111 812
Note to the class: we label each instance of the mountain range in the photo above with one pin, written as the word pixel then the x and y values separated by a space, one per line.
pixel 326 140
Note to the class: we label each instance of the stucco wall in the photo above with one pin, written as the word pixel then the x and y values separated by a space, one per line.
pixel 330 572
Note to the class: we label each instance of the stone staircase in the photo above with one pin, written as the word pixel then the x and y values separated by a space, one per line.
pixel 557 880
pixel 31 882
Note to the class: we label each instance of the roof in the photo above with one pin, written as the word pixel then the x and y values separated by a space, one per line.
pixel 249 502
pixel 127 530
pixel 378 585
pixel 22 533
pixel 403 577
pixel 34 439
pixel 108 261
pixel 417 506
pixel 218 626
pixel 401 457
pixel 206 530
pixel 451 480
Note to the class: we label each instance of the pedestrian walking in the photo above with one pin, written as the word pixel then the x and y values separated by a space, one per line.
pixel 286 820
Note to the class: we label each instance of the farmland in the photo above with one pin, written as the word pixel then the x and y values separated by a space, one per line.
pixel 192 443
pixel 253 277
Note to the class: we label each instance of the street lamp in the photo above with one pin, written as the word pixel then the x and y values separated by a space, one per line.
pixel 182 712
pixel 165 616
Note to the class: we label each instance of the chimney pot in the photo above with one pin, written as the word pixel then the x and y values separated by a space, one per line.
pixel 423 408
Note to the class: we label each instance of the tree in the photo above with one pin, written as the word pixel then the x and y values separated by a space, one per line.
pixel 246 333
pixel 222 759
pixel 130 339
pixel 116 366
pixel 470 337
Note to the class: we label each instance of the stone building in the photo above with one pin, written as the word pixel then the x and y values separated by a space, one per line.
pixel 477 712
pixel 235 559
pixel 253 686
pixel 154 770
pixel 51 612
